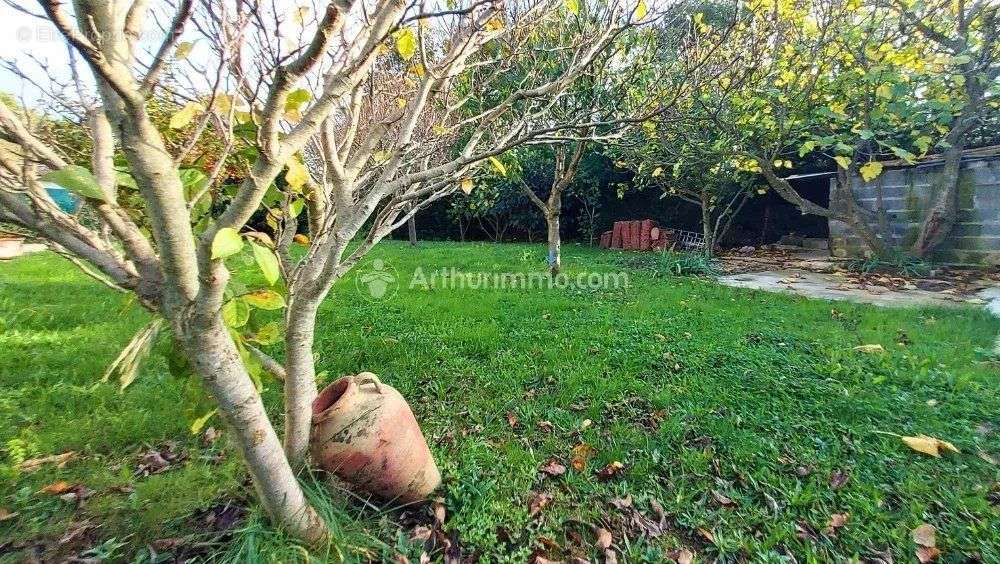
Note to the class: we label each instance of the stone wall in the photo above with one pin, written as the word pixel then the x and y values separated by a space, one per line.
pixel 904 195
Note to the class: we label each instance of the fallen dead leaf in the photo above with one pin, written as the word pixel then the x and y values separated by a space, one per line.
pixel 681 556
pixel 989 458
pixel 927 554
pixel 538 502
pixel 929 445
pixel 610 471
pixel 707 535
pixel 552 467
pixel 805 531
pixel 837 520
pixel 545 426
pixel 57 488
pixel 839 479
pixel 512 419
pixel 925 535
pixel 722 499
pixel 586 423
pixel 439 511
pixel 6 514
pixel 581 453
pixel 604 538
pixel 870 349
pixel 210 435
pixel 421 533
pixel 60 460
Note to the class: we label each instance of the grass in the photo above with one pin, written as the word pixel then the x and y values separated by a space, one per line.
pixel 703 392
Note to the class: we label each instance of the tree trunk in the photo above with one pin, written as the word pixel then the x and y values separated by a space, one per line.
pixel 555 260
pixel 411 225
pixel 300 377
pixel 215 358
pixel 943 212
pixel 706 225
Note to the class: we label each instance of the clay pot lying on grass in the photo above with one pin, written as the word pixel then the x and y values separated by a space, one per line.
pixel 364 432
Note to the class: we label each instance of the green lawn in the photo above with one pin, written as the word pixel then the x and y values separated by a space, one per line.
pixel 706 394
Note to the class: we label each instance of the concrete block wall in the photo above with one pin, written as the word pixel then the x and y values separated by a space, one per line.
pixel 905 194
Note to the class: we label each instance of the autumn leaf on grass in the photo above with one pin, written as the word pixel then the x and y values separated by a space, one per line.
pixel 722 499
pixel 512 419
pixel 839 479
pixel 681 556
pixel 610 471
pixel 870 349
pixel 59 460
pixel 929 445
pixel 57 488
pixel 581 453
pixel 552 467
pixel 538 502
pixel 837 520
pixel 6 514
pixel 925 537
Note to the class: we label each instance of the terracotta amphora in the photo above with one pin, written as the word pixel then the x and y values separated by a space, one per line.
pixel 364 432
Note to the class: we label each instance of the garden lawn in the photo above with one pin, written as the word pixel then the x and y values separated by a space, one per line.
pixel 743 420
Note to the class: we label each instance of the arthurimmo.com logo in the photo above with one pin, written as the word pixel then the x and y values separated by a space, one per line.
pixel 378 281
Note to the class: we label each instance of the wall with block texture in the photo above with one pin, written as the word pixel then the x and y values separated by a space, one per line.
pixel 904 194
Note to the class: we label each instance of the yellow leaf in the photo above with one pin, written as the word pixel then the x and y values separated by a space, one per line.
pixel 466 185
pixel 884 90
pixel 183 50
pixel 573 6
pixel 198 424
pixel 300 14
pixel 498 166
pixel 871 170
pixel 406 43
pixel 293 116
pixel 401 102
pixel 657 171
pixel 301 239
pixel 184 116
pixel 641 10
pixel 297 175
pixel 870 349
pixel 494 24
pixel 417 69
pixel 843 161
pixel 929 445
pixel 439 129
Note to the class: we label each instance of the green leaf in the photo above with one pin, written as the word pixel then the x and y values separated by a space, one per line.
pixel 903 154
pixel 406 43
pixel 183 50
pixel 268 334
pixel 498 166
pixel 198 424
pixel 807 148
pixel 227 242
pixel 296 98
pixel 267 262
pixel 871 170
pixel 843 161
pixel 265 299
pixel 573 6
pixel 235 313
pixel 78 180
pixel 295 208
